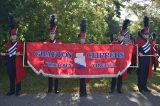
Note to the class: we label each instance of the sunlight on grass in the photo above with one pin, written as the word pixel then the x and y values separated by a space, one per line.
pixel 134 87
pixel 155 87
pixel 158 69
pixel 98 85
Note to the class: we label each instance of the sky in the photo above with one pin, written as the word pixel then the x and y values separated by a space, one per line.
pixel 138 1
pixel 132 16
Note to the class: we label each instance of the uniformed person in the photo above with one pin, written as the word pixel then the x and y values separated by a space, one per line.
pixel 15 69
pixel 145 47
pixel 82 37
pixel 52 39
pixel 123 38
pixel 155 47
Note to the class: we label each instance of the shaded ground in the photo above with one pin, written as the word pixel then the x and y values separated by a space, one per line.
pixel 73 99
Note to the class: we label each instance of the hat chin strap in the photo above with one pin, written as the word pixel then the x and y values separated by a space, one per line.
pixel 13 40
pixel 145 37
pixel 121 42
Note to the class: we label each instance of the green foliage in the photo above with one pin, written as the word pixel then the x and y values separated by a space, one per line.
pixel 33 16
pixel 152 11
pixel 102 26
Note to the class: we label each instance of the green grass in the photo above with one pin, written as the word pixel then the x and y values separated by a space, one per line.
pixel 38 83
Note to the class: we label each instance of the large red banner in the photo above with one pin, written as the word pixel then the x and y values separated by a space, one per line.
pixel 79 60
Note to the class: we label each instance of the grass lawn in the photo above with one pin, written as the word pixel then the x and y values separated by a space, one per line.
pixel 38 83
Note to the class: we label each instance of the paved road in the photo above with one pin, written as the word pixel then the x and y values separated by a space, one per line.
pixel 73 99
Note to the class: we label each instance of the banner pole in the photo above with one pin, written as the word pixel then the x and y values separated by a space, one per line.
pixel 24 52
pixel 136 58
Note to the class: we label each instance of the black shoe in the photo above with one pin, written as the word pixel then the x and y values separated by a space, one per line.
pixel 141 90
pixel 49 91
pixel 10 93
pixel 83 94
pixel 57 91
pixel 17 93
pixel 119 91
pixel 112 91
pixel 147 90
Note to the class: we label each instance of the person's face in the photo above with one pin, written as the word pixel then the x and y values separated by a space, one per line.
pixel 120 38
pixel 52 35
pixel 13 37
pixel 82 40
pixel 146 35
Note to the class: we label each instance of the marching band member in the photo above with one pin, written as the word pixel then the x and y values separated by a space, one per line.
pixel 82 37
pixel 15 69
pixel 123 38
pixel 145 47
pixel 52 35
pixel 155 47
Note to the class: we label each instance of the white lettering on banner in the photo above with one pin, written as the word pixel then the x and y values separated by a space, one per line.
pixel 92 55
pixel 103 65
pixel 96 55
pixel 53 54
pixel 62 65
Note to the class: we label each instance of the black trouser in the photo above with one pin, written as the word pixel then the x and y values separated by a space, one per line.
pixel 50 84
pixel 83 86
pixel 117 80
pixel 154 63
pixel 144 63
pixel 11 70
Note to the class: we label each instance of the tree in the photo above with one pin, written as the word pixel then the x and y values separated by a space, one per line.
pixel 151 10
pixel 33 18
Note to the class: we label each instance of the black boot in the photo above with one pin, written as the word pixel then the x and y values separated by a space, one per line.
pixel 113 85
pixel 10 93
pixel 119 91
pixel 17 93
pixel 146 90
pixel 49 91
pixel 18 89
pixel 56 86
pixel 50 84
pixel 112 91
pixel 119 84
pixel 83 91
